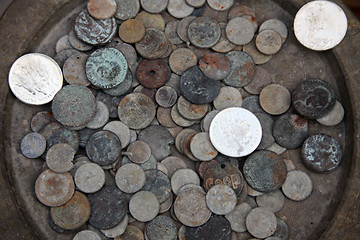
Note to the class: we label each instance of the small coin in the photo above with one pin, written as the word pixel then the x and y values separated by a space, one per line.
pixel 130 178
pixel 74 69
pixel 268 42
pixel 59 157
pixel 40 120
pixel 131 233
pixel 227 97
pixel 151 20
pixel 275 99
pixel 220 5
pixel 227 127
pixel 153 45
pixel 123 87
pixel 112 102
pixel 121 130
pixel 152 73
pixel 182 29
pixel 94 31
pixel 132 31
pixel 33 145
pixel 129 52
pixel 127 9
pixel 240 30
pixel 144 206
pixel 178 119
pixel 215 66
pixel 202 148
pixel 265 171
pixel 117 230
pixel 190 208
pixel 182 59
pixel 89 178
pixel 314 98
pixel 101 9
pixel 166 96
pixel 171 32
pixel 35 78
pixel 274 201
pixel 163 115
pixel 182 177
pixel 140 151
pixel 258 57
pixel 242 69
pixel 77 43
pixel 196 3
pixel 136 110
pixel 321 153
pixel 237 218
pixel 161 227
pixel 54 189
pixel 72 214
pixel 154 6
pixel 101 116
pixel 267 129
pixel 204 32
pixel 334 117
pixel 291 130
pixel 314 28
pixel 261 222
pixel 297 186
pixel 158 183
pixel 87 235
pixel 179 8
pixel 221 199
pixel 62 43
pixel 223 45
pixel 261 79
pixel 277 26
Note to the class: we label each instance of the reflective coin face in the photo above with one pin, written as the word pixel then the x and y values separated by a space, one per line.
pixel 35 78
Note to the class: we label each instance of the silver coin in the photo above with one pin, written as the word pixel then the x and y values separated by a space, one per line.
pixel 33 145
pixel 87 235
pixel 89 178
pixel 62 43
pixel 297 186
pixel 117 230
pixel 240 31
pixel 314 25
pixel 221 199
pixel 35 78
pixel 274 201
pixel 201 147
pixel 179 8
pixel 235 132
pixel 182 177
pixel 144 206
pixel 261 222
pixel 130 178
pixel 101 116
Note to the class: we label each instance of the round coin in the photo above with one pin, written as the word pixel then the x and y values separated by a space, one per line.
pixel 75 43
pixel 89 178
pixel 171 32
pixel 274 201
pixel 130 178
pixel 127 9
pixel 40 120
pixel 117 230
pixel 240 31
pixel 261 222
pixel 182 177
pixel 121 130
pixel 258 57
pixel 202 148
pixel 191 111
pixel 297 186
pixel 182 59
pixel 275 99
pixel 59 157
pixel 152 73
pixel 237 218
pixel 62 43
pixel 123 87
pixel 132 31
pixel 87 235
pixel 33 145
pixel 220 5
pixel 242 69
pixel 139 151
pixel 268 42
pixel 166 97
pixel 153 45
pixel 144 206
pixel 204 32
pixel 74 69
pixel 223 45
pixel 178 119
pixel 182 29
pixel 151 20
pixel 131 233
pixel 227 97
pixel 215 66
pixel 154 6
pixel 35 78
pixel 158 183
pixel 221 199
pixel 334 117
pixel 101 116
pixel 261 79
pixel 101 9
pixel 277 26
pixel 217 228
pixel 179 8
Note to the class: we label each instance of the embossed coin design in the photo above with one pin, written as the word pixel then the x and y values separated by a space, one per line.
pixel 153 45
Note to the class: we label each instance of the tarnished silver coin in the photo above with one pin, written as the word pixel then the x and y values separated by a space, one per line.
pixel 144 206
pixel 121 130
pixel 59 157
pixel 179 8
pixel 89 178
pixel 235 132
pixel 227 97
pixel 297 186
pixel 204 32
pixel 221 199
pixel 261 222
pixel 237 217
pixel 130 178
pixel 201 147
pixel 35 78
pixel 127 9
pixel 182 29
pixel 33 145
pixel 240 31
pixel 87 235
pixel 220 5
pixel 314 25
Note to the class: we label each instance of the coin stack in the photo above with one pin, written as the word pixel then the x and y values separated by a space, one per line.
pixel 167 127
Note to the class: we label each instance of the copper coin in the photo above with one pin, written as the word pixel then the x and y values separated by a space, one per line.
pixel 132 31
pixel 150 92
pixel 151 20
pixel 102 9
pixel 152 73
pixel 153 45
pixel 215 66
pixel 166 96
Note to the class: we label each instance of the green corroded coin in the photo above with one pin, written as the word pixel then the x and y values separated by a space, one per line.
pixel 106 68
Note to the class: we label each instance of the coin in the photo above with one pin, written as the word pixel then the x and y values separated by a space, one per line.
pixel 89 178
pixel 242 69
pixel 171 32
pixel 275 99
pixel 202 148
pixel 153 45
pixel 257 56
pixel 220 5
pixel 252 104
pixel 151 20
pixel 261 79
pixel 59 157
pixel 261 222
pixel 163 115
pixel 227 97
pixel 182 177
pixel 101 116
pixel 237 218
pixel 215 66
pixel 132 31
pixel 154 6
pixel 217 228
pixel 144 206
pixel 182 59
pixel 196 3
pixel 130 178
pixel 223 45
pixel 40 120
pixel 277 26
pixel 179 8
pixel 152 73
pixel 191 111
pixel 139 151
pixel 268 42
pixel 102 9
pixel 117 230
pixel 127 9
pixel 74 69
pixel 131 233
pixel 274 201
pixel 178 119
pixel 297 186
pixel 240 31
pixel 282 229
pixel 62 43
pixel 334 117
pixel 166 97
pixel 75 43
pixel 182 29
pixel 314 25
pixel 87 235
pixel 161 227
pixel 221 199
pixel 33 145
pixel 123 87
pixel 35 78
pixel 204 32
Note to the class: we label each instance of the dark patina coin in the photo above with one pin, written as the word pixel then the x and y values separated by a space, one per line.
pixel 161 227
pixel 33 145
pixel 106 68
pixel 290 130
pixel 158 183
pixel 197 88
pixel 204 32
pixel 85 134
pixel 265 171
pixel 73 106
pixel 153 45
pixel 321 153
pixel 94 31
pixel 252 103
pixel 40 120
pixel 108 207
pixel 103 148
pixel 166 97
pixel 267 125
pixel 152 73
pixel 123 87
pixel 313 98
pixel 242 69
pixel 215 66
pixel 217 228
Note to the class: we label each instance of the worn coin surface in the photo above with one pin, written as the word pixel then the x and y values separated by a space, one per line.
pixel 131 233
pixel 62 43
pixel 223 45
pixel 204 32
pixel 191 111
pixel 152 73
pixel 237 217
pixel 314 25
pixel 202 148
pixel 40 120
pixel 161 227
pixel 182 59
pixel 132 31
pixel 123 87
pixel 182 29
pixel 139 151
pixel 268 42
pixel 127 9
pixel 118 229
pixel 35 78
pixel 158 183
pixel 258 57
pixel 261 79
pixel 182 177
pixel 130 178
pixel 227 97
pixel 276 25
pixel 242 69
pixel 153 45
pixel 75 43
pixel 151 20
pixel 144 206
pixel 74 69
pixel 217 228
pixel 334 117
pixel 59 157
pixel 87 235
pixel 171 32
pixel 101 116
pixel 240 31
pixel 121 130
pixel 101 9
pixel 154 6
pixel 33 145
pixel 215 66
pixel 275 99
pixel 297 186
pixel 274 201
pixel 267 125
pixel 166 97
pixel 222 5
pixel 179 8
pixel 261 222
pixel 221 199
pixel 89 178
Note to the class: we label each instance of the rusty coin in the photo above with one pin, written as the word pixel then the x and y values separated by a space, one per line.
pixel 223 45
pixel 152 73
pixel 215 66
pixel 242 69
pixel 191 111
pixel 33 145
pixel 201 147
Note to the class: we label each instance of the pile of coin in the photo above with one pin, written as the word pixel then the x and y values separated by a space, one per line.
pixel 153 127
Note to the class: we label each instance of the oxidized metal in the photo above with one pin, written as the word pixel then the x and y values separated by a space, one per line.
pixel 139 152
pixel 161 227
pixel 258 57
pixel 101 116
pixel 40 120
pixel 179 8
pixel 215 66
pixel 132 31
pixel 221 199
pixel 59 157
pixel 158 183
pixel 223 45
pixel 166 97
pixel 89 178
pixel 152 73
pixel 204 32
pixel 220 5
pixel 153 45
pixel 182 59
pixel 130 178
pixel 297 186
pixel 101 9
pixel 261 79
pixel 144 206
pixel 154 6
pixel 268 42
pixel 267 124
pixel 123 87
pixel 275 99
pixel 171 32
pixel 242 69
pixel 127 9
pixel 240 30
pixel 74 69
pixel 217 228
pixel 33 145
pixel 191 111
pixel 228 97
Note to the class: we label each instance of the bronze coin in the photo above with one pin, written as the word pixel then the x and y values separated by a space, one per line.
pixel 152 73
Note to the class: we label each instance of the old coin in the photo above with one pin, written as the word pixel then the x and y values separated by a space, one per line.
pixel 178 119
pixel 154 6
pixel 197 88
pixel 112 102
pixel 268 42
pixel 242 69
pixel 144 206
pixel 59 157
pixel 151 20
pixel 172 164
pixel 171 32
pixel 129 53
pixel 261 79
pixel 261 222
pixel 182 177
pixel 101 9
pixel 217 228
pixel 275 99
pixel 290 130
pixel 182 59
pixel 103 148
pixel 131 233
pixel 265 171
pixel 35 78
pixel 62 43
pixel 158 183
pixel 101 116
pixel 152 73
pixel 136 110
pixel 274 201
pixel 163 115
pixel 202 148
pixel 297 186
pixel 314 98
pixel 204 32
pixel 94 31
pixel 139 151
pixel 123 87
pixel 117 230
pixel 314 25
pixel 179 8
pixel 40 120
pixel 267 130
pixel 74 69
pixel 321 153
pixel 191 111
pixel 132 31
pixel 89 178
pixel 206 121
pixel 33 145
pixel 161 227
pixel 258 57
pixel 215 66
pixel 252 103
pixel 153 45
pixel 276 148
pixel 108 207
pixel 223 45
pixel 190 208
pixel 72 214
pixel 334 117
pixel 54 189
pixel 191 186
pixel 228 97
pixel 240 30
pixel 127 9
pixel 237 218
pixel 75 43
pixel 252 192
pixel 182 29
pixel 235 132
pixel 130 178
pixel 106 68
pixel 185 145
pixel 277 26
pixel 121 130
pixel 220 5
pixel 196 3
pixel 150 92
pixel 166 96
pixel 221 199
pixel 87 235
